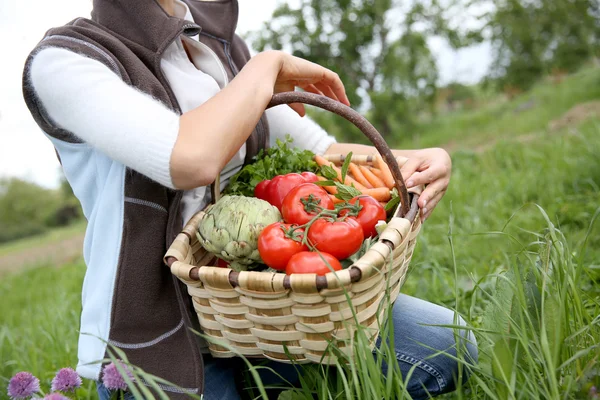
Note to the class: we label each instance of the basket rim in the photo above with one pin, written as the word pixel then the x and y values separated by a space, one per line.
pixel 331 280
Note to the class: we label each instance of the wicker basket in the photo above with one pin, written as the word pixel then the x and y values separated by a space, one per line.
pixel 283 317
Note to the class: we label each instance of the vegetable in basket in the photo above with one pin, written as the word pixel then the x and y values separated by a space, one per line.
pixel 280 159
pixel 230 229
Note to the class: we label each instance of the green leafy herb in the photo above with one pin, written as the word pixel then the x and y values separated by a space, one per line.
pixel 345 166
pixel 328 172
pixel 281 159
pixel 325 183
pixel 345 192
pixel 394 201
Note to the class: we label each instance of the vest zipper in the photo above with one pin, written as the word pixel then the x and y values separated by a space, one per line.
pixel 219 63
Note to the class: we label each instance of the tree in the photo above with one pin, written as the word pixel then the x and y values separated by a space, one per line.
pixel 378 48
pixel 534 37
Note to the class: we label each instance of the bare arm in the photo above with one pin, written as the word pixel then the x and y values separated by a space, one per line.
pixel 345 148
pixel 212 133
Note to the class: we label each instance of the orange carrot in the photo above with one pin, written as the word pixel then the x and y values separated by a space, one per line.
pixel 387 174
pixel 330 189
pixel 335 199
pixel 377 172
pixel 355 171
pixel 380 194
pixel 348 181
pixel 321 160
pixel 374 180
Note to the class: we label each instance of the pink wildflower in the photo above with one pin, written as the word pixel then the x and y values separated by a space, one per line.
pixel 66 380
pixel 112 378
pixel 23 385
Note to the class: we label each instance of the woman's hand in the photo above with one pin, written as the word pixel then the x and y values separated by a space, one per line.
pixel 295 72
pixel 432 168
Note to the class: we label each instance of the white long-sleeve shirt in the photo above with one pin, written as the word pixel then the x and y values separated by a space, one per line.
pixel 86 98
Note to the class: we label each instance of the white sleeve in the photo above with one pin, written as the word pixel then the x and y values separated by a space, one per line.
pixel 84 97
pixel 307 134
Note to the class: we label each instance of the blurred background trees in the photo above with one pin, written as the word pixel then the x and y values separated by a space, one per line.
pixel 27 209
pixel 380 48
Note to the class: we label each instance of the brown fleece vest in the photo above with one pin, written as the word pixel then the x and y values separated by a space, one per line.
pixel 129 37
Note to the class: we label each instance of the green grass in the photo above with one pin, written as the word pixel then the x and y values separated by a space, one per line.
pixel 514 247
pixel 500 120
pixel 39 323
pixel 48 237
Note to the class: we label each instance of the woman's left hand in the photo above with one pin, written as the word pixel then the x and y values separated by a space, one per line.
pixel 432 168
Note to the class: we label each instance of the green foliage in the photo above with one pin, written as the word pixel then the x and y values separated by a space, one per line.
pixel 532 38
pixel 279 160
pixel 27 209
pixel 382 68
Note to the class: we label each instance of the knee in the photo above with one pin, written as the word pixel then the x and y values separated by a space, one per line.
pixel 440 357
pixel 459 358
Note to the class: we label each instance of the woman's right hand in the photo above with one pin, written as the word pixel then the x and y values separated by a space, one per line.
pixel 292 72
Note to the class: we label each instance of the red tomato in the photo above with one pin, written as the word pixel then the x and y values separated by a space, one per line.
pixel 275 248
pixel 293 210
pixel 222 263
pixel 309 177
pixel 310 262
pixel 280 186
pixel 371 212
pixel 260 191
pixel 341 239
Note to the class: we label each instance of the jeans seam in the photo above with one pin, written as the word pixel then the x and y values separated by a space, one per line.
pixel 425 367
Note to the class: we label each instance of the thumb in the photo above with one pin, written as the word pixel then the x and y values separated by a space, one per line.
pixel 421 178
pixel 410 167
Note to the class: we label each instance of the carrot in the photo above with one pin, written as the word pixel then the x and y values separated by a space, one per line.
pixel 377 172
pixel 374 180
pixel 380 194
pixel 348 181
pixel 335 199
pixel 387 174
pixel 355 171
pixel 321 160
pixel 330 189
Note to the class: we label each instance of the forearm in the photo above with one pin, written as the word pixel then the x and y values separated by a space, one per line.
pixel 212 133
pixel 345 148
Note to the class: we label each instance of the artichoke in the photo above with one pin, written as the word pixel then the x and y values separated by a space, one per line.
pixel 230 228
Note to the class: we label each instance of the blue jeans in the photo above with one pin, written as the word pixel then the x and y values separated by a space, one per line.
pixel 416 343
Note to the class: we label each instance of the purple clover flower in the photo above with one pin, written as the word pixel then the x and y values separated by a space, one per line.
pixel 111 376
pixel 23 385
pixel 66 380
pixel 56 396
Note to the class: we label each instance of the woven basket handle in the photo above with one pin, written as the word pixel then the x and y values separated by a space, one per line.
pixel 361 123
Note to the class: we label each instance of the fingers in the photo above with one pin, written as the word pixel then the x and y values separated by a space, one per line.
pixel 427 176
pixel 430 206
pixel 431 191
pixel 327 91
pixel 299 108
pixel 409 168
pixel 334 83
pixel 312 89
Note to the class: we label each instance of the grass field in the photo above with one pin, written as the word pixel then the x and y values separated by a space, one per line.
pixel 514 247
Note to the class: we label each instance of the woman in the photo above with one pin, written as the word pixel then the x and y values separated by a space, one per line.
pixel 145 104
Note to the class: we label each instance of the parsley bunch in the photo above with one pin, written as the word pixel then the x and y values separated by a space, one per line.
pixel 281 159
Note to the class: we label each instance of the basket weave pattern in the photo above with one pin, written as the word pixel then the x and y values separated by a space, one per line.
pixel 259 316
pixel 297 317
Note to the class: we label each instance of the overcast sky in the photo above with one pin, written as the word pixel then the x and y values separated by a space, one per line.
pixel 26 153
